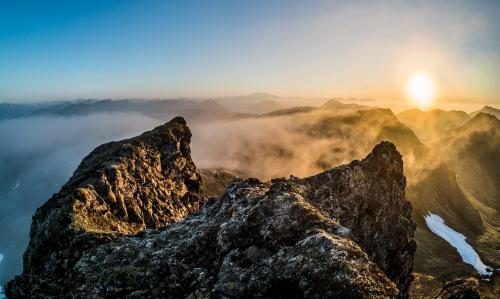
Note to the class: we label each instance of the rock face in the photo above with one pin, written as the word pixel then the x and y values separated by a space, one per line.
pixel 368 197
pixel 119 188
pixel 344 233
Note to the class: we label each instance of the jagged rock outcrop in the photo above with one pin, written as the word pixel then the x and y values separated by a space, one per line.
pixel 461 288
pixel 344 233
pixel 368 197
pixel 119 188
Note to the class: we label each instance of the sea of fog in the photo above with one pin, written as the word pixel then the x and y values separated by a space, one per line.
pixel 457 240
pixel 39 154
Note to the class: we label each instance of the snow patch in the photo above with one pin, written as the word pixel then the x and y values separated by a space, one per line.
pixel 469 255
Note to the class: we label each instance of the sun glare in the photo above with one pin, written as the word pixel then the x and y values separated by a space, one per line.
pixel 421 90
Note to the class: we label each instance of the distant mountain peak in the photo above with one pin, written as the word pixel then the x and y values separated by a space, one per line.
pixel 263 95
pixel 483 117
pixel 488 110
pixel 332 102
pixel 337 104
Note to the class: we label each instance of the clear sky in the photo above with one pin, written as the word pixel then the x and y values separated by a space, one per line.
pixel 121 49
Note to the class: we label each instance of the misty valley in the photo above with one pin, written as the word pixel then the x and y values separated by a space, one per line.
pixel 450 161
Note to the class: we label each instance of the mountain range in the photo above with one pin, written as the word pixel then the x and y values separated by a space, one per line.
pixel 450 161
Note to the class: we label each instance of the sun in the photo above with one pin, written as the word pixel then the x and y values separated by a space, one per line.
pixel 421 90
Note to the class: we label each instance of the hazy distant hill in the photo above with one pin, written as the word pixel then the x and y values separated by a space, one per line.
pixel 251 98
pixel 8 110
pixel 265 102
pixel 194 110
pixel 331 106
pixel 159 109
pixel 432 124
pixel 474 151
pixel 260 107
pixel 290 111
pixel 336 104
pixel 265 106
pixel 488 110
pixel 371 125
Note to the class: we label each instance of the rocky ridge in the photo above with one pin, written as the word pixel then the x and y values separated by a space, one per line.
pixel 133 222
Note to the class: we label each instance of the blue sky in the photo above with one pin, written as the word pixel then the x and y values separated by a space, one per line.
pixel 119 49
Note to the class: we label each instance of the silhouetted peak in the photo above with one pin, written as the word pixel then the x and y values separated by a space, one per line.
pixel 177 120
pixel 386 158
pixel 482 119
